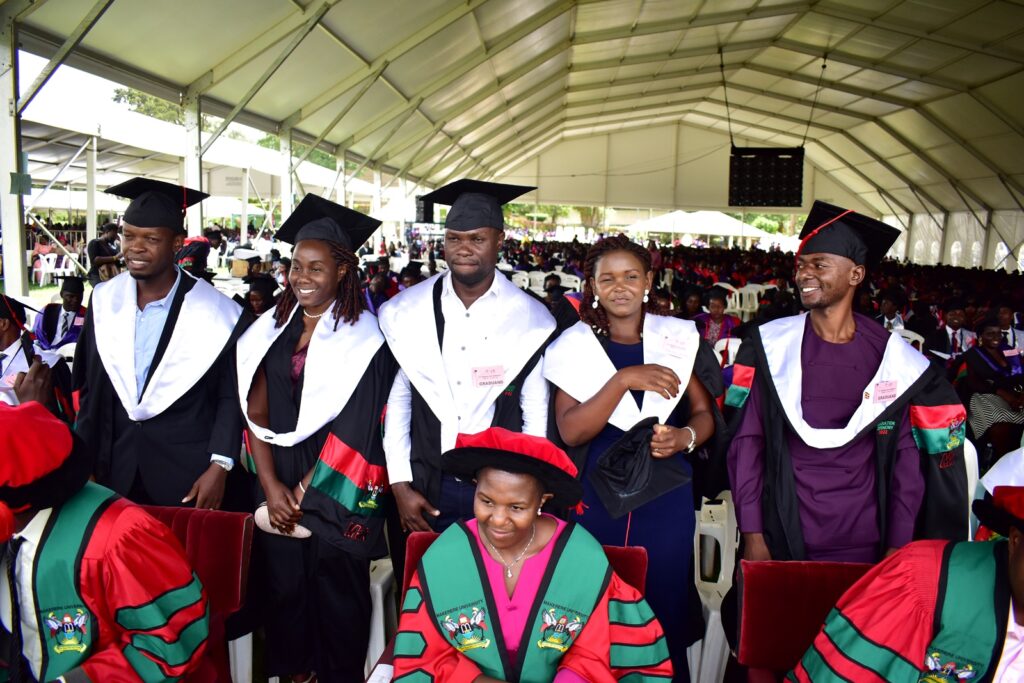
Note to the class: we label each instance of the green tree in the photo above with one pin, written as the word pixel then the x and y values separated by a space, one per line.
pixel 150 105
pixel 590 216
pixel 317 156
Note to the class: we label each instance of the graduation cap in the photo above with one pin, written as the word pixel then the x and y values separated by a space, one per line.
pixel 520 453
pixel 475 203
pixel 316 218
pixel 412 268
pixel 71 283
pixel 833 230
pixel 12 309
pixel 156 204
pixel 627 476
pixel 261 282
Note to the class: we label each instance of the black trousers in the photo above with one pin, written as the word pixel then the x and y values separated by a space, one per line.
pixel 317 609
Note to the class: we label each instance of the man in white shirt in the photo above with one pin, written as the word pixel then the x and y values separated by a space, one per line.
pixel 1013 337
pixel 60 324
pixel 470 344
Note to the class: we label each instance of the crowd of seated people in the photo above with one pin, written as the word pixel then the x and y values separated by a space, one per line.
pixel 346 406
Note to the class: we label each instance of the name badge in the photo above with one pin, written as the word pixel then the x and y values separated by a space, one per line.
pixel 79 320
pixel 673 347
pixel 1010 353
pixel 488 375
pixel 885 391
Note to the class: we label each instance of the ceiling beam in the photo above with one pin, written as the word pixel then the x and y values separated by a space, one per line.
pixel 546 126
pixel 480 121
pixel 251 50
pixel 666 76
pixel 659 57
pixel 69 44
pixel 893 27
pixel 481 56
pixel 491 90
pixel 389 56
pixel 697 21
pixel 297 37
pixel 512 130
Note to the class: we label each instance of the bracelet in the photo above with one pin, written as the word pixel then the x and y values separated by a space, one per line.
pixel 301 487
pixel 693 438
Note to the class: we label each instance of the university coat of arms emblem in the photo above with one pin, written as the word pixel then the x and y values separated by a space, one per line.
pixel 468 632
pixel 68 631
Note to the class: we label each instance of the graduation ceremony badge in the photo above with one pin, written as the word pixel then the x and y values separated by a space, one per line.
pixel 558 632
pixel 468 632
pixel 68 631
pixel 944 670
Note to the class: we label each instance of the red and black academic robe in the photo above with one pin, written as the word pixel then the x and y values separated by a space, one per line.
pixel 188 409
pixel 114 597
pixel 934 612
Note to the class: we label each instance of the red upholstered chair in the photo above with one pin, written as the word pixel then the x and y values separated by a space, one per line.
pixel 782 607
pixel 217 545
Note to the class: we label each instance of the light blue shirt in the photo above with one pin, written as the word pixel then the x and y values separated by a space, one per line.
pixel 149 326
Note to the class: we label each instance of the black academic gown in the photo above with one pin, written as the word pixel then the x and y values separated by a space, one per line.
pixel 163 456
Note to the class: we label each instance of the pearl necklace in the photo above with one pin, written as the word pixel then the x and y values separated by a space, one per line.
pixel 318 315
pixel 509 565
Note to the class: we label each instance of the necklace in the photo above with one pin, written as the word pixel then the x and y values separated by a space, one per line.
pixel 509 565
pixel 318 315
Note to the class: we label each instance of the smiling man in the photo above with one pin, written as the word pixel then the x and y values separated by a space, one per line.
pixel 469 343
pixel 153 364
pixel 850 443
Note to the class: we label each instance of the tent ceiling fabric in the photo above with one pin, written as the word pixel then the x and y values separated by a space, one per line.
pixel 920 109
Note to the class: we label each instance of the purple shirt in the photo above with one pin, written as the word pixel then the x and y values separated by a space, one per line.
pixel 835 487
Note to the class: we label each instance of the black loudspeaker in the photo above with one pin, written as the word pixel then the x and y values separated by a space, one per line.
pixel 766 176
pixel 424 210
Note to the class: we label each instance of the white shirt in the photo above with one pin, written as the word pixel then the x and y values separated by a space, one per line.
pixel 32 643
pixel 473 338
pixel 14 361
pixel 64 323
pixel 965 339
pixel 1011 663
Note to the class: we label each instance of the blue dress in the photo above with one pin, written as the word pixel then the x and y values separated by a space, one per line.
pixel 664 526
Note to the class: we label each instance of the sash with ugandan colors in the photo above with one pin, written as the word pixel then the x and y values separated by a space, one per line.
pixel 968 626
pixel 450 605
pixel 345 503
pixel 772 358
pixel 69 628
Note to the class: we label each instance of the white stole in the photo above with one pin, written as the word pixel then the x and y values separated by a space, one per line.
pixel 202 329
pixel 407 321
pixel 782 341
pixel 577 364
pixel 336 361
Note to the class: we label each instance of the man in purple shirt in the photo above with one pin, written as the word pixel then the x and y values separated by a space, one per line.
pixel 845 426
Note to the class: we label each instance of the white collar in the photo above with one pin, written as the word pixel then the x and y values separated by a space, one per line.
pixel 202 330
pixel 448 288
pixel 327 384
pixel 33 531
pixel 578 365
pixel 782 341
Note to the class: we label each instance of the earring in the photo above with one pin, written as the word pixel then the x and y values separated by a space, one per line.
pixel 594 305
pixel 538 512
pixel 646 298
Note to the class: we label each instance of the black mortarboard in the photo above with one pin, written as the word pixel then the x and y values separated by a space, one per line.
pixel 833 230
pixel 627 476
pixel 316 218
pixel 156 204
pixel 475 203
pixel 71 283
pixel 414 268
pixel 12 309
pixel 261 282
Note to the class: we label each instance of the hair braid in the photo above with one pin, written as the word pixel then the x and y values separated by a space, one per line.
pixel 348 300
pixel 597 318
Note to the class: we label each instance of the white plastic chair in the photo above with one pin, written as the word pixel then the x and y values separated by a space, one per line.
pixel 971 465
pixel 537 279
pixel 714 555
pixel 750 296
pixel 571 281
pixel 520 279
pixel 382 616
pixel 733 344
pixel 911 338
pixel 47 269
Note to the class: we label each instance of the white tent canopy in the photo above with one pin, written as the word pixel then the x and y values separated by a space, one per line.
pixel 917 117
pixel 703 223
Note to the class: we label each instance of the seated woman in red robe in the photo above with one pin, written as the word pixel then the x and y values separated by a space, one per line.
pixel 518 595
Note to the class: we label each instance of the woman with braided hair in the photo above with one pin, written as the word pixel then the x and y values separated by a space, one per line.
pixel 628 388
pixel 313 377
